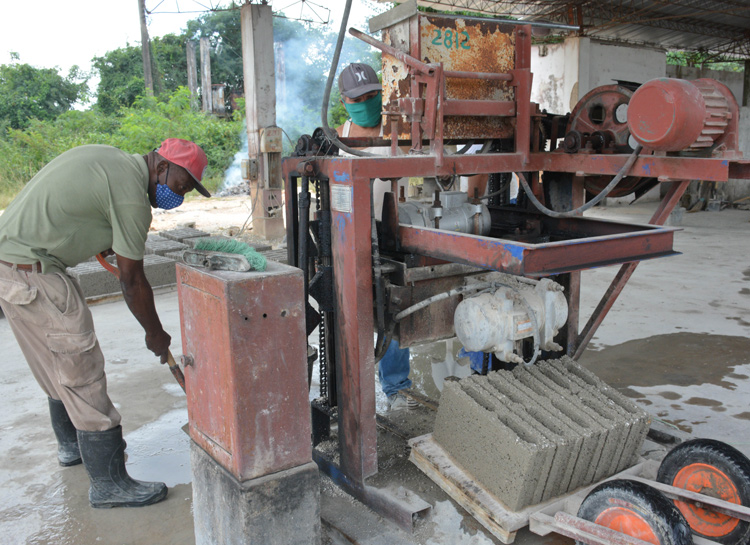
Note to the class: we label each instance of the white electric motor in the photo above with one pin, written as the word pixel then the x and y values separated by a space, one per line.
pixel 493 322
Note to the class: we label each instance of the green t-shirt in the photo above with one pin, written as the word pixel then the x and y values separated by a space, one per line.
pixel 83 202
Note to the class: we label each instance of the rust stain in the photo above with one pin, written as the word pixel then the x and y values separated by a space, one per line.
pixel 460 45
pixel 480 47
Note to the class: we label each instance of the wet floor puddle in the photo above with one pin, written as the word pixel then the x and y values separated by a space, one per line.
pixel 56 509
pixel 697 382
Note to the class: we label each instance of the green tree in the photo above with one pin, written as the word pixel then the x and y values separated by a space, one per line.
pixel 703 59
pixel 170 63
pixel 224 33
pixel 121 72
pixel 28 93
pixel 121 78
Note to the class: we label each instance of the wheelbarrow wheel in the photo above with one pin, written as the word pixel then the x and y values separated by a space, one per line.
pixel 636 509
pixel 715 469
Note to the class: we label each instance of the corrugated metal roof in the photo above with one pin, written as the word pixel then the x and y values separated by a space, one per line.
pixel 721 26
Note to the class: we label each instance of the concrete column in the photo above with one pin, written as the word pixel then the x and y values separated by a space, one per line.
pixel 254 480
pixel 206 75
pixel 260 108
pixel 192 75
pixel 148 79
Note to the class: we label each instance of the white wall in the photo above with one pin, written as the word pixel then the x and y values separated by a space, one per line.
pixel 733 80
pixel 565 72
pixel 548 86
pixel 608 62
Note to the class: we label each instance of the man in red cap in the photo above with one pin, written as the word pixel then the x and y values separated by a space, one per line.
pixel 89 200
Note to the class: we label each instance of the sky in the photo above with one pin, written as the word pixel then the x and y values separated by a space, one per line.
pixel 63 33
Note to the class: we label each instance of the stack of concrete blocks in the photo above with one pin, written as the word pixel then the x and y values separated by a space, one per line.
pixel 96 281
pixel 538 432
pixel 280 255
pixel 156 245
pixel 182 234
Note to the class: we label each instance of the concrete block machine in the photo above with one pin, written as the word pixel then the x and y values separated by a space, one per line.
pixel 453 84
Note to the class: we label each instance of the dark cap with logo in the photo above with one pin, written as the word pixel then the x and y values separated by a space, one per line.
pixel 358 79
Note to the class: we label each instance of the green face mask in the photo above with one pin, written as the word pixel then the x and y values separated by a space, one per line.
pixel 367 113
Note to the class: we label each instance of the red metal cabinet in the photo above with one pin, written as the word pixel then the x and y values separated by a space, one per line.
pixel 247 388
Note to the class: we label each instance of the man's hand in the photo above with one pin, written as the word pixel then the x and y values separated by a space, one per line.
pixel 159 343
pixel 140 300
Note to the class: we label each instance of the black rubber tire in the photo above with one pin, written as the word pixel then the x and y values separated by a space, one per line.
pixel 645 502
pixel 726 458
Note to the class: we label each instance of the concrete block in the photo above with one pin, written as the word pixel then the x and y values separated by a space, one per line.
pixel 260 247
pixel 163 247
pixel 280 256
pixel 278 509
pixel 155 238
pixel 638 419
pixel 573 428
pixel 567 436
pixel 175 256
pixel 95 280
pixel 519 422
pixel 569 404
pixel 597 411
pixel 507 462
pixel 183 233
pixel 630 421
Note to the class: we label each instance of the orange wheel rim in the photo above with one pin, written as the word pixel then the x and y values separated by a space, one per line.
pixel 711 481
pixel 627 522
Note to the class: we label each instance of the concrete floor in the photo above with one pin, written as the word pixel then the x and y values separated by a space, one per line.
pixel 676 341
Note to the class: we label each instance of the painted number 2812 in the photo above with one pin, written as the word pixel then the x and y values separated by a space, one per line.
pixel 449 39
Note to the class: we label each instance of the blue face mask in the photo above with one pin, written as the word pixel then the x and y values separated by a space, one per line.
pixel 367 113
pixel 167 199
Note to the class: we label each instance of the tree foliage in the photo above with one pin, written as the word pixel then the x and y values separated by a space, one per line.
pixel 29 93
pixel 302 52
pixel 703 59
pixel 121 78
pixel 222 28
pixel 37 124
pixel 138 129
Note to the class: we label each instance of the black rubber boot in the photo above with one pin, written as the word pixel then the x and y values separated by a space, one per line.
pixel 111 486
pixel 68 453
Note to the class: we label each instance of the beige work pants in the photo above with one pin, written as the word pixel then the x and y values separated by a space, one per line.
pixel 54 328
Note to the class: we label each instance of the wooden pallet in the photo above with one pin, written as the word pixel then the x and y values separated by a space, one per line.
pixel 555 515
pixel 490 512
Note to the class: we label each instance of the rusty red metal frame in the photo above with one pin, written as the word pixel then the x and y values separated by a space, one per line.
pixel 599 243
pixel 626 271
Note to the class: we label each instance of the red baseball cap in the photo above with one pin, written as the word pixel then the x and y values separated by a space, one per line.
pixel 189 156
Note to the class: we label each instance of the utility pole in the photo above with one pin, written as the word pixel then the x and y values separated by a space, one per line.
pixel 192 75
pixel 206 75
pixel 263 136
pixel 146 50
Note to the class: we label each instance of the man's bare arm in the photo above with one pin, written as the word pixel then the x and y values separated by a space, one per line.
pixel 140 300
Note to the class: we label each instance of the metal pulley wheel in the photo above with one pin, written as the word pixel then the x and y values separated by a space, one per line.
pixel 638 510
pixel 599 124
pixel 715 469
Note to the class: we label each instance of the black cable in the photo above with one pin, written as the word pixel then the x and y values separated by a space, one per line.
pixel 329 132
pixel 593 202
